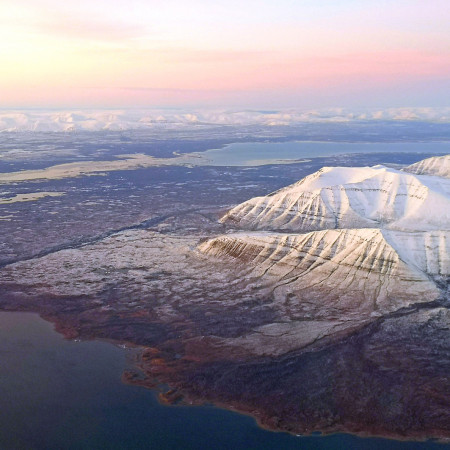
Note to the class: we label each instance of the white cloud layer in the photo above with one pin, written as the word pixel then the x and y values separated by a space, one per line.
pixel 84 120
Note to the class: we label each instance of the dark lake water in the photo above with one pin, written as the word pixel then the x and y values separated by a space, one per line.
pixel 258 153
pixel 59 394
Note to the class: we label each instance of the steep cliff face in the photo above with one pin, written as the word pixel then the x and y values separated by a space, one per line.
pixel 438 165
pixel 342 197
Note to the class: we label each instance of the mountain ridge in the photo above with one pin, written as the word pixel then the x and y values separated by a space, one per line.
pixel 343 197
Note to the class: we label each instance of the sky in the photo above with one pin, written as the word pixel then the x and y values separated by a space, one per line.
pixel 224 53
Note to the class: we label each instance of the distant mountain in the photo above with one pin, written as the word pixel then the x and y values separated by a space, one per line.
pixel 438 165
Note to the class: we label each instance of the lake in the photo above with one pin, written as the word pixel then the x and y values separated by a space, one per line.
pixel 260 153
pixel 60 394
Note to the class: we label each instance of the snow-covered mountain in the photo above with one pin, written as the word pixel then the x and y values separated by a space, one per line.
pixel 380 242
pixel 351 197
pixel 438 165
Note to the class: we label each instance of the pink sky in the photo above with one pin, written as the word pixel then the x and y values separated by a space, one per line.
pixel 201 53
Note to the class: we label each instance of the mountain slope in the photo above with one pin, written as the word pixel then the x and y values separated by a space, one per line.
pixel 356 272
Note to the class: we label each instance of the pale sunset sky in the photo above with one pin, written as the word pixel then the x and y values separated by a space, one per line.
pixel 248 53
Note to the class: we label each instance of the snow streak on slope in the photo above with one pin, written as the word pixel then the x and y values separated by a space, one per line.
pixel 349 197
pixel 437 165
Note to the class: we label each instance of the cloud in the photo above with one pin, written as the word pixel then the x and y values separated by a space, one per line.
pixel 53 20
pixel 87 28
pixel 129 119
pixel 182 55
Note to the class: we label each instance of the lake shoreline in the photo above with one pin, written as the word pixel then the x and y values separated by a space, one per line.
pixel 174 397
